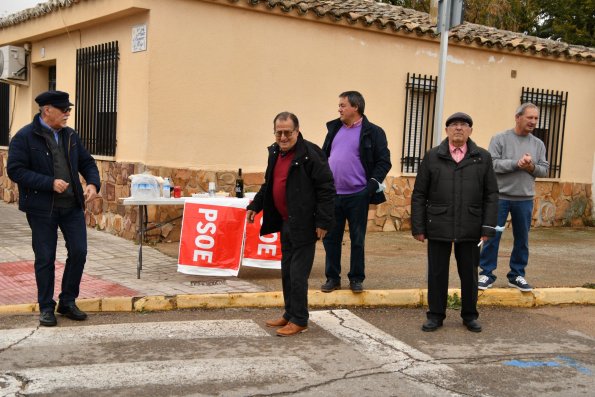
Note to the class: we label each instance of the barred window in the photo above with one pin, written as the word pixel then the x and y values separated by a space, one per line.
pixel 4 114
pixel 96 97
pixel 552 119
pixel 418 126
pixel 52 78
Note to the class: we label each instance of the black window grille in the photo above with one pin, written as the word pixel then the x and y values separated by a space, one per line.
pixel 52 78
pixel 4 114
pixel 552 119
pixel 418 127
pixel 96 97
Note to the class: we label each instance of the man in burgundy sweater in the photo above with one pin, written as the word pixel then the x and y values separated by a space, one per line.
pixel 297 198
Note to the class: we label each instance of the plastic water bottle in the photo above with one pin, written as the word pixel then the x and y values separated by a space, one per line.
pixel 166 188
pixel 212 189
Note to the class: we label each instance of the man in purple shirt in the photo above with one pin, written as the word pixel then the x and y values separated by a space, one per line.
pixel 359 159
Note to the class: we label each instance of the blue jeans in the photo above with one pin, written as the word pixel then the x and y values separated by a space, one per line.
pixel 44 230
pixel 520 213
pixel 352 208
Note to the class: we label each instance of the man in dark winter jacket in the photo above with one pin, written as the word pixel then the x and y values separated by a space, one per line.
pixel 455 200
pixel 44 160
pixel 359 158
pixel 297 200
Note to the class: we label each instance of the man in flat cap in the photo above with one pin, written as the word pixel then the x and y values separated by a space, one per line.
pixel 45 159
pixel 455 200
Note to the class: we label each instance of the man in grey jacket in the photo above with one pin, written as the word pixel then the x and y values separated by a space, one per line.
pixel 518 157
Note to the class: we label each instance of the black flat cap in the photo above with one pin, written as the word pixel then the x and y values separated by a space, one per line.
pixel 460 116
pixel 58 99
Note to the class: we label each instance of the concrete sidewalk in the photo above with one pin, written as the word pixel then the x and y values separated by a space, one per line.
pixel 395 273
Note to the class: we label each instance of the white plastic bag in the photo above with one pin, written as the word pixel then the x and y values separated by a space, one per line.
pixel 145 187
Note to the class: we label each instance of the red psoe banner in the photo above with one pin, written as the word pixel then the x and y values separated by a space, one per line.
pixel 212 236
pixel 261 251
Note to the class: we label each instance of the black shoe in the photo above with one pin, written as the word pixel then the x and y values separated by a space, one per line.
pixel 431 324
pixel 47 319
pixel 520 283
pixel 72 312
pixel 356 287
pixel 472 325
pixel 330 285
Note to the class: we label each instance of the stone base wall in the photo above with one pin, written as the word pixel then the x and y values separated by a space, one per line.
pixel 556 203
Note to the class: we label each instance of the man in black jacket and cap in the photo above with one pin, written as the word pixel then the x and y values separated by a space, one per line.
pixel 455 200
pixel 297 200
pixel 44 160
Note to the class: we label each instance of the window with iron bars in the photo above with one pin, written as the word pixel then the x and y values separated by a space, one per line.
pixel 4 114
pixel 550 127
pixel 418 126
pixel 52 78
pixel 96 97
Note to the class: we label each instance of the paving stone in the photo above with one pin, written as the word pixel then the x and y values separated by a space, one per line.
pixel 110 269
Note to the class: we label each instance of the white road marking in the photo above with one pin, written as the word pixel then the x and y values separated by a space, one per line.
pixel 82 335
pixel 379 347
pixel 376 344
pixel 170 372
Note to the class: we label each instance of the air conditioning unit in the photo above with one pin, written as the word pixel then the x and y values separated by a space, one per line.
pixel 13 65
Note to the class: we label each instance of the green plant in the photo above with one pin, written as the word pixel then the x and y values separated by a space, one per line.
pixel 453 301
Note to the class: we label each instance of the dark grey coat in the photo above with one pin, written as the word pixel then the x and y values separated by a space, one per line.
pixel 455 202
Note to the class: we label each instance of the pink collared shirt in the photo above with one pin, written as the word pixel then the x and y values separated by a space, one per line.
pixel 355 124
pixel 458 153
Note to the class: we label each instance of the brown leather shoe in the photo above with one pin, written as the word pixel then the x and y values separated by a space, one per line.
pixel 279 322
pixel 291 329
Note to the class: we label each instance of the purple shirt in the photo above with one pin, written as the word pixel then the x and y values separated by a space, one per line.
pixel 347 168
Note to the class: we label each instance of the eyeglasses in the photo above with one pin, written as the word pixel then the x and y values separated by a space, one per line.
pixel 456 124
pixel 286 133
pixel 63 110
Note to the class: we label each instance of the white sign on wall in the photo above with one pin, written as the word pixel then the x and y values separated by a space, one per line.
pixel 139 38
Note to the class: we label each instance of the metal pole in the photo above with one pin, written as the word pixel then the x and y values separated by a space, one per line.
pixel 441 73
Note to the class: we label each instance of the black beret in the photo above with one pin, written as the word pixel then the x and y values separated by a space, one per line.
pixel 460 116
pixel 58 99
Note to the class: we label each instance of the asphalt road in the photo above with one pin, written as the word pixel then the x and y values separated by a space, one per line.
pixel 381 352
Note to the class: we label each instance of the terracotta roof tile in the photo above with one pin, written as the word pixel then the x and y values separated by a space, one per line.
pixel 382 16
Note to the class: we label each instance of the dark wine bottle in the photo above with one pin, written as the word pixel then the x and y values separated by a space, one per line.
pixel 239 185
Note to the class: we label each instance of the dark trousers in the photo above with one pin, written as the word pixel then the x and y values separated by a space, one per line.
pixel 44 229
pixel 351 208
pixel 296 264
pixel 467 256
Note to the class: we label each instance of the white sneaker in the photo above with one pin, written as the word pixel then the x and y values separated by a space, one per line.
pixel 520 283
pixel 484 282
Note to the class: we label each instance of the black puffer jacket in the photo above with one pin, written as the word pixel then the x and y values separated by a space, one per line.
pixel 373 153
pixel 455 202
pixel 310 194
